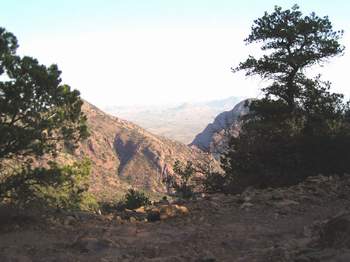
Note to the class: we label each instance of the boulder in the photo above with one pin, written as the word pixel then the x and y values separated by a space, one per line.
pixel 166 211
pixel 69 220
pixel 285 203
pixel 90 244
pixel 246 205
pixel 169 211
pixel 141 210
pixel 335 233
pixel 153 215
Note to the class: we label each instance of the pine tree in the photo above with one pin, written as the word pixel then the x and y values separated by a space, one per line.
pixel 298 122
pixel 38 116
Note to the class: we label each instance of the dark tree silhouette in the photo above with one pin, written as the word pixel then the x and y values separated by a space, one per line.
pixel 298 123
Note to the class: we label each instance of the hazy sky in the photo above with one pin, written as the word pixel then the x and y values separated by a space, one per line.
pixel 126 52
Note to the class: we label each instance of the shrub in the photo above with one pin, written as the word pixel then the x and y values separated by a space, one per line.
pixel 182 187
pixel 214 182
pixel 63 187
pixel 133 199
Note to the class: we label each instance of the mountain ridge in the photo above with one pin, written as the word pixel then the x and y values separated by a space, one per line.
pixel 178 122
pixel 213 138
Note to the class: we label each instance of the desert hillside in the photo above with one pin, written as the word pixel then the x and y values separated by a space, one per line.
pixel 124 154
pixel 144 172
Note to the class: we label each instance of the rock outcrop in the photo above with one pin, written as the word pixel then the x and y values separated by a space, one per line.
pixel 213 138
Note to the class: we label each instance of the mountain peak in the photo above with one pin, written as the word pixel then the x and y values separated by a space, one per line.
pixel 211 138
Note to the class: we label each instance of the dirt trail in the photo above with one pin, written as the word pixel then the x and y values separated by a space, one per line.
pixel 269 225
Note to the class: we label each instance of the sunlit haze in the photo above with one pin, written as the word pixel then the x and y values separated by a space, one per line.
pixel 128 52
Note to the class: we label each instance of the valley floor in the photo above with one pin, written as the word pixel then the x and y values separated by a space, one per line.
pixel 267 225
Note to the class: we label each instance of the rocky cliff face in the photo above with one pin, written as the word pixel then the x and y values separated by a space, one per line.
pixel 124 154
pixel 213 138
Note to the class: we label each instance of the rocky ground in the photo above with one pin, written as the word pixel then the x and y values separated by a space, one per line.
pixel 307 222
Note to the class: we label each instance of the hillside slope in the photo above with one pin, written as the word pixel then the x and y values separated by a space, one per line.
pixel 123 154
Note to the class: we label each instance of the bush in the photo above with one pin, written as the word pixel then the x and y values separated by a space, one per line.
pixel 133 199
pixel 182 187
pixel 214 182
pixel 63 187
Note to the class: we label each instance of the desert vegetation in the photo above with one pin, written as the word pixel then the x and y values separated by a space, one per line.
pixel 283 160
pixel 39 118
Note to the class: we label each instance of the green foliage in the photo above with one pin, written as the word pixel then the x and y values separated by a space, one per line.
pixel 63 187
pixel 299 128
pixel 38 113
pixel 38 116
pixel 292 42
pixel 182 187
pixel 214 182
pixel 213 179
pixel 133 199
pixel 69 187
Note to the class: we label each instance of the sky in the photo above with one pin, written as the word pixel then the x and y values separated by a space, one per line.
pixel 156 52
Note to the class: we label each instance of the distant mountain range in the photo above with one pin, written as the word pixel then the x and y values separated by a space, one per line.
pixel 181 123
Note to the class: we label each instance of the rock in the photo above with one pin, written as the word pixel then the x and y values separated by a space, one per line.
pixel 335 233
pixel 109 217
pixel 276 197
pixel 246 205
pixel 132 219
pixel 69 220
pixel 164 201
pixel 91 244
pixel 285 203
pixel 153 215
pixel 169 211
pixel 182 210
pixel 119 219
pixel 247 199
pixel 140 210
pixel 166 211
pixel 127 214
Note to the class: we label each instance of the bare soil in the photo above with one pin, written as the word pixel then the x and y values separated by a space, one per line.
pixel 258 225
